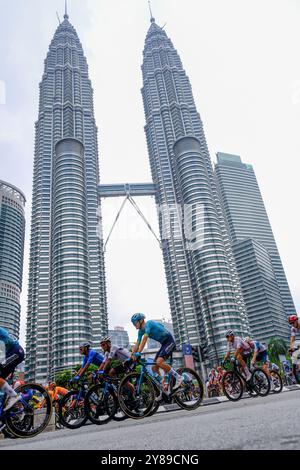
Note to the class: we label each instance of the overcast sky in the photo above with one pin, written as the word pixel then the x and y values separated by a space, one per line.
pixel 242 58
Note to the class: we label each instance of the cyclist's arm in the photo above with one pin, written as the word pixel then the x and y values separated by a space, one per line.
pixel 238 353
pixel 226 356
pixel 292 342
pixel 143 343
pixel 83 369
pixel 253 361
pixel 136 347
pixel 105 363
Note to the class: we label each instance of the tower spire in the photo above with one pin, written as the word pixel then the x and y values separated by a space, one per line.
pixel 66 16
pixel 152 19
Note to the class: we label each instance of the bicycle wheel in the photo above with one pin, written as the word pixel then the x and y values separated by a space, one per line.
pixel 232 386
pixel 31 415
pixel 100 404
pixel 119 415
pixel 156 404
pixel 260 382
pixel 71 410
pixel 191 391
pixel 136 395
pixel 277 381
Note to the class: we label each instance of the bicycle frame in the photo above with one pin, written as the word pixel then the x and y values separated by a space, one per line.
pixel 144 371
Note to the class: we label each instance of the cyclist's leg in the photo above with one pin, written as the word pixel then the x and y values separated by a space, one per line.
pixel 295 356
pixel 241 360
pixel 6 368
pixel 165 351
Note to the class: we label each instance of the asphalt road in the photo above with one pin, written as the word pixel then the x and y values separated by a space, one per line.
pixel 255 423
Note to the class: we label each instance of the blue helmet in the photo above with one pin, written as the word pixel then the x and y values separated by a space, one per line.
pixel 136 317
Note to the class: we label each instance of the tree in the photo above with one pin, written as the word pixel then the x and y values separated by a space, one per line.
pixel 276 347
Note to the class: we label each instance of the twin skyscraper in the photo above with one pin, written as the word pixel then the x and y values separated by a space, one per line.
pixel 67 288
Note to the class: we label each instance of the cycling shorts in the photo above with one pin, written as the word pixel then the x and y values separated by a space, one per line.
pixel 14 357
pixel 262 356
pixel 166 349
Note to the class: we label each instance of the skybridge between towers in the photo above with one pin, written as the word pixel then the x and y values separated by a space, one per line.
pixel 119 190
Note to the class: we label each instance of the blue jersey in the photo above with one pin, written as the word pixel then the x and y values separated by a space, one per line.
pixel 93 357
pixel 9 342
pixel 259 347
pixel 154 330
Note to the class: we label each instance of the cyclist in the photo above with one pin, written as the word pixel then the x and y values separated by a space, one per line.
pixel 90 357
pixel 112 352
pixel 154 330
pixel 260 354
pixel 241 350
pixel 14 355
pixel 295 329
pixel 56 392
pixel 220 374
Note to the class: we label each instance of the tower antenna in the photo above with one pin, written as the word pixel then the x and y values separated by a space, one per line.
pixel 58 17
pixel 152 19
pixel 66 16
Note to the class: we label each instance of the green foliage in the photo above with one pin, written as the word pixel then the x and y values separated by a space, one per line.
pixel 276 347
pixel 62 378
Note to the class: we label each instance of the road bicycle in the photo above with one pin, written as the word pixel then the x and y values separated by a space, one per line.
pixel 276 378
pixel 71 407
pixel 30 415
pixel 139 389
pixel 234 383
pixel 101 401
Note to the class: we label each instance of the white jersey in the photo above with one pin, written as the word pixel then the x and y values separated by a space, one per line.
pixel 295 331
pixel 237 344
pixel 120 354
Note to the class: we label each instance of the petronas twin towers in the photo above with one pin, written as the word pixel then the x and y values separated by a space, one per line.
pixel 67 292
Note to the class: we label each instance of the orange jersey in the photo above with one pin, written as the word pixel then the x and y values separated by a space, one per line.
pixel 57 393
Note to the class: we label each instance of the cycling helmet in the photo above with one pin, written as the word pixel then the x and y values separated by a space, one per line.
pixel 136 317
pixel 105 339
pixel 85 344
pixel 229 333
pixel 292 318
pixel 248 339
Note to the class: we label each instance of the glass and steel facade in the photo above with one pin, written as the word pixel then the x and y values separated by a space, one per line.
pixel 260 290
pixel 246 218
pixel 203 285
pixel 12 233
pixel 67 295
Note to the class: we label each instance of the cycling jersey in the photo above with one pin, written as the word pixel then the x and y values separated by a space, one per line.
pixel 93 357
pixel 154 330
pixel 259 347
pixel 57 392
pixel 7 339
pixel 295 331
pixel 237 344
pixel 120 354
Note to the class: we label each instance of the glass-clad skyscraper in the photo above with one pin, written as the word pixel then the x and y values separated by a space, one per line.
pixel 12 233
pixel 247 218
pixel 204 290
pixel 67 296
